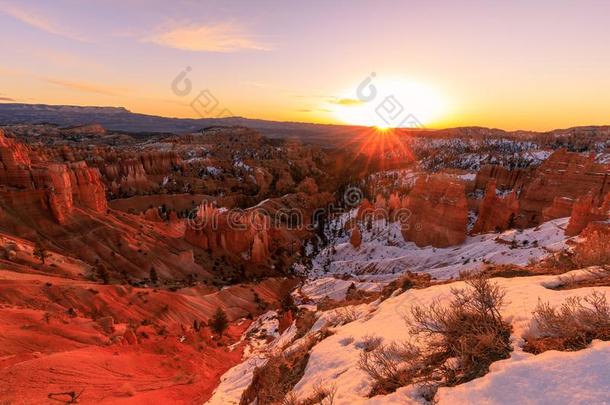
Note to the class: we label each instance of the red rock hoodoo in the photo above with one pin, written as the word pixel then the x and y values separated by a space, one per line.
pixel 585 211
pixel 241 233
pixel 356 237
pixel 496 213
pixel 565 175
pixel 439 212
pixel 47 187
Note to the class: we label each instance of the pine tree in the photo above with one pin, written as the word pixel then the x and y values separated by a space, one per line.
pixel 154 279
pixel 287 302
pixel 219 322
pixel 103 274
pixel 41 252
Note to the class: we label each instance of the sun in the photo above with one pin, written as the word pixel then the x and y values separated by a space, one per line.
pixel 389 103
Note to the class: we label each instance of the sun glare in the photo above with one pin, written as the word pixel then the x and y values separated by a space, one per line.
pixel 390 103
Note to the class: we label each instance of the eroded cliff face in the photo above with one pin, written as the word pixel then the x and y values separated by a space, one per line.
pixel 595 249
pixel 241 233
pixel 564 176
pixel 496 213
pixel 439 212
pixel 46 187
pixel 356 237
pixel 87 187
pixel 585 210
pixel 504 178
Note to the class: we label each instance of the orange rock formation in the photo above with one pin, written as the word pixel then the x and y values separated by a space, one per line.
pixel 496 213
pixel 439 212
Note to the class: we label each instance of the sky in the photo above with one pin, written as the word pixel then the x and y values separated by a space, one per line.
pixel 534 65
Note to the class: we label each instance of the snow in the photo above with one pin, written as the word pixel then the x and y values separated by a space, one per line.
pixel 560 378
pixel 262 339
pixel 384 254
pixel 241 165
pixel 333 361
pixel 235 381
pixel 552 377
pixel 334 288
pixel 214 171
pixel 467 176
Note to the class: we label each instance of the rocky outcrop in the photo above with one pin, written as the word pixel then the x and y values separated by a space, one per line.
pixel 159 162
pixel 356 237
pixel 496 213
pixel 364 209
pixel 504 178
pixel 563 175
pixel 89 129
pixel 13 155
pixel 308 186
pixel 87 187
pixel 47 187
pixel 584 211
pixel 560 208
pixel 439 212
pixel 594 248
pixel 126 177
pixel 241 233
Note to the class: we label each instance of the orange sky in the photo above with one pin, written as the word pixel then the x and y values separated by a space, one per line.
pixel 513 65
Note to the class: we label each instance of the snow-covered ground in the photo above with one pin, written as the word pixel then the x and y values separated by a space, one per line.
pixel 553 377
pixel 550 378
pixel 262 339
pixel 334 361
pixel 384 255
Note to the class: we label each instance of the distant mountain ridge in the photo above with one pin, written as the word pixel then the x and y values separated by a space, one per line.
pixel 122 120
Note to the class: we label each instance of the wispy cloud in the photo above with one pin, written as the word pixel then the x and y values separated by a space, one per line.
pixel 2 98
pixel 346 101
pixel 86 87
pixel 223 37
pixel 37 20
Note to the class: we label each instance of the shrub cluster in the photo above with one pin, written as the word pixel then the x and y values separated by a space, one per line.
pixel 572 326
pixel 454 343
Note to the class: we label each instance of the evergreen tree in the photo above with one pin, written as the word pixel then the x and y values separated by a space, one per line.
pixel 219 322
pixel 40 251
pixel 102 273
pixel 154 279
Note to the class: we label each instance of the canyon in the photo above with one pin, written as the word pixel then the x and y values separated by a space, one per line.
pixel 118 248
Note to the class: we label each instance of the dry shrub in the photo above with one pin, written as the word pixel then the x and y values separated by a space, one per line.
pixel 406 282
pixel 391 366
pixel 594 277
pixel 355 294
pixel 342 316
pixel 507 271
pixel 560 262
pixel 572 326
pixel 271 382
pixel 322 395
pixel 305 320
pixel 456 342
pixel 512 270
pixel 470 330
pixel 353 297
pixel 275 379
pixel 369 343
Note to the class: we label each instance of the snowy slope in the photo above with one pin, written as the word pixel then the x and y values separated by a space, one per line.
pixel 334 361
pixel 552 377
pixel 385 252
